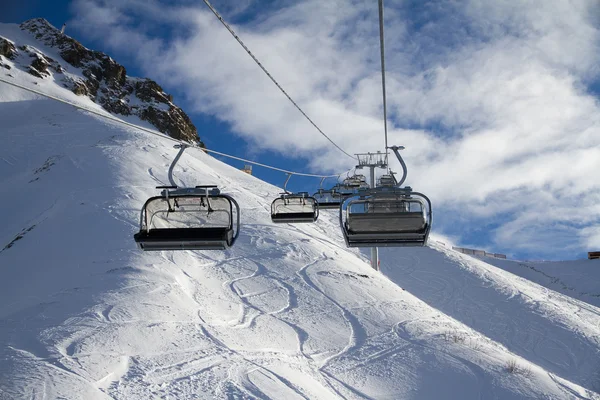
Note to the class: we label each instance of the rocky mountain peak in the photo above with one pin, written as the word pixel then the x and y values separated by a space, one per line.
pixel 94 74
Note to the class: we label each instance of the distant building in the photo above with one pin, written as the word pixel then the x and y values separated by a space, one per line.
pixel 481 253
pixel 247 169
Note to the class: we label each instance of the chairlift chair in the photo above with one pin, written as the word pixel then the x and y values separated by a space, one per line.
pixel 294 208
pixel 328 199
pixel 351 185
pixel 386 217
pixel 345 191
pixel 355 181
pixel 387 180
pixel 199 218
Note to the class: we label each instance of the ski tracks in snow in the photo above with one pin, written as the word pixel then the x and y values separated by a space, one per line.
pixel 270 296
pixel 357 332
pixel 248 371
pixel 501 309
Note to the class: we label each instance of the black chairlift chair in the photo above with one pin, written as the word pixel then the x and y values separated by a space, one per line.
pixel 328 199
pixel 386 217
pixel 294 208
pixel 199 218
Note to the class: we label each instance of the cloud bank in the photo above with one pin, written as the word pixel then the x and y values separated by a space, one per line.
pixel 493 100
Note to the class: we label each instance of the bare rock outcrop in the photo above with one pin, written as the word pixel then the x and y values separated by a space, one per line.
pixel 102 79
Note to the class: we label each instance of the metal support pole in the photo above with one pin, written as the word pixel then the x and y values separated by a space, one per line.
pixel 373 160
pixel 374 250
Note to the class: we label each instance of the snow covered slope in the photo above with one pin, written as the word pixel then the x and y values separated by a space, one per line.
pixel 288 313
pixel 576 278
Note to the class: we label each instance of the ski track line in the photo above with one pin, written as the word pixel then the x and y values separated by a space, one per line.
pixel 114 377
pixel 357 332
pixel 278 378
pixel 346 386
pixel 184 369
pixel 525 347
pixel 241 356
pixel 570 392
pixel 56 365
pixel 292 298
pixel 379 355
pixel 259 271
pixel 8 162
pixel 244 302
pixel 326 242
pixel 106 313
pixel 485 388
pixel 67 348
pixel 301 335
pixel 292 302
pixel 193 283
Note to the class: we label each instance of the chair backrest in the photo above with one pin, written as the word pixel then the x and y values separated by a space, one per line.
pixel 293 204
pixel 189 212
pixel 386 222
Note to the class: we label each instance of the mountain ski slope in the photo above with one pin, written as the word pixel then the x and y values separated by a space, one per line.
pixel 574 278
pixel 287 313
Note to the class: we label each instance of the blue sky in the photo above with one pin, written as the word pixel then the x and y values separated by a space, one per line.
pixel 495 101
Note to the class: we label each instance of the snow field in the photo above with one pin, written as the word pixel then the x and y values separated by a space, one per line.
pixel 288 312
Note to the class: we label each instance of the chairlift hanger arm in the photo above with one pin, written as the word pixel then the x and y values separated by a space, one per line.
pixel 181 147
pixel 396 151
pixel 289 175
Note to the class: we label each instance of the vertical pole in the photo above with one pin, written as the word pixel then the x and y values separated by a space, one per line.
pixel 374 250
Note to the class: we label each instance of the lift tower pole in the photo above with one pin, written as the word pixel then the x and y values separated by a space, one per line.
pixel 372 161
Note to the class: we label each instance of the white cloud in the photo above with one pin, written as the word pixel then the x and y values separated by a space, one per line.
pixel 489 97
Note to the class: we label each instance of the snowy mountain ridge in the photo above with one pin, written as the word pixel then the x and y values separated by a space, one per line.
pixel 288 313
pixel 44 52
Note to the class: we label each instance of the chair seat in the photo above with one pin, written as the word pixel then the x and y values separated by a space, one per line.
pixel 293 217
pixel 218 238
pixel 329 204
pixel 385 239
pixel 386 243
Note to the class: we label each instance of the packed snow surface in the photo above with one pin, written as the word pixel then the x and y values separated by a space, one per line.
pixel 287 313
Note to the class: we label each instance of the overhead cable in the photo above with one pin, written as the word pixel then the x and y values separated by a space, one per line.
pixel 273 79
pixel 381 46
pixel 157 133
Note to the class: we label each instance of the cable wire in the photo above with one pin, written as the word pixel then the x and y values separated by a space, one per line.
pixel 214 11
pixel 382 48
pixel 157 133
